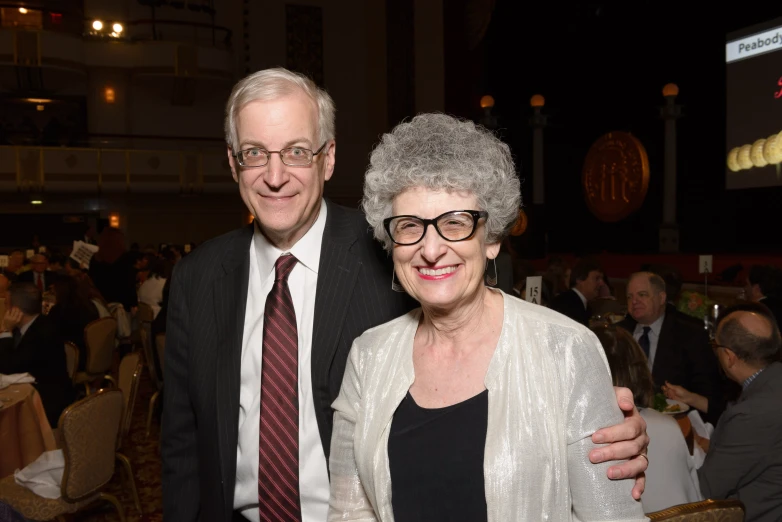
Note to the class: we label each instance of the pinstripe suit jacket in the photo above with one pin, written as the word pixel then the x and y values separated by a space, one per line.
pixel 206 314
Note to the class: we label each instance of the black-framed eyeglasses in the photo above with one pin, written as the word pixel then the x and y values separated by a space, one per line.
pixel 456 225
pixel 715 345
pixel 291 156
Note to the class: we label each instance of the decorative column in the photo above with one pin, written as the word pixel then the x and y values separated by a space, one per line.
pixel 669 230
pixel 537 219
pixel 538 121
pixel 488 120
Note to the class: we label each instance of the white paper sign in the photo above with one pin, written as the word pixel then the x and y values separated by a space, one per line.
pixel 533 289
pixel 3 261
pixel 187 248
pixel 705 264
pixel 83 252
pixel 30 253
pixel 42 250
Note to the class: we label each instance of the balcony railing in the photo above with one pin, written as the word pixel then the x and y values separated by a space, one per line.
pixel 83 169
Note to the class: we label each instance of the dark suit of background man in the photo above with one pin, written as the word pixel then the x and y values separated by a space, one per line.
pixel 586 279
pixel 30 343
pixel 340 286
pixel 744 458
pixel 677 345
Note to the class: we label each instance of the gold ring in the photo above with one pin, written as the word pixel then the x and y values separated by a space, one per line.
pixel 647 458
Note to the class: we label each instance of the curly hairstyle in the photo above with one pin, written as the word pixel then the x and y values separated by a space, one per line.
pixel 444 153
pixel 271 84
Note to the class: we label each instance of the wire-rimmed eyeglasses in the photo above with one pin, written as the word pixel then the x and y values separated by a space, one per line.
pixel 455 225
pixel 291 156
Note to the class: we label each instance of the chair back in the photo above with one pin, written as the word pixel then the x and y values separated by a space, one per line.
pixel 89 430
pixel 71 358
pixel 123 319
pixel 2 306
pixel 129 376
pixel 99 336
pixel 145 332
pixel 145 313
pixel 704 511
pixel 160 344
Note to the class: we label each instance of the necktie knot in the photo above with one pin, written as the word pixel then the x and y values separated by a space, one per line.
pixel 647 329
pixel 283 267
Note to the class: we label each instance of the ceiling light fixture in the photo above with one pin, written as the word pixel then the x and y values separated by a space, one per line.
pixel 97 25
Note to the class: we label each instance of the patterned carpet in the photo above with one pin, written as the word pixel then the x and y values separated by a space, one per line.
pixel 144 455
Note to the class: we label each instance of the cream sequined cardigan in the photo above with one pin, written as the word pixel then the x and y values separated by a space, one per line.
pixel 549 390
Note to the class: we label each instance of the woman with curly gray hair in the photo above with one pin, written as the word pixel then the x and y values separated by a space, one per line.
pixel 477 405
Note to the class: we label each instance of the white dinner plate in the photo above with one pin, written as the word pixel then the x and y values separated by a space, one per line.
pixel 683 408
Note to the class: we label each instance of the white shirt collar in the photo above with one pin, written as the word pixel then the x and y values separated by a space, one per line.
pixel 580 295
pixel 306 249
pixel 656 326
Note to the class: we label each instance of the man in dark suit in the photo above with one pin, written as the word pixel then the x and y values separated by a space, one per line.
pixel 586 280
pixel 744 454
pixel 763 283
pixel 676 346
pixel 30 343
pixel 281 148
pixel 40 276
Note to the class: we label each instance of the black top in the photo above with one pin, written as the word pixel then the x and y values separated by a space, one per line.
pixel 436 461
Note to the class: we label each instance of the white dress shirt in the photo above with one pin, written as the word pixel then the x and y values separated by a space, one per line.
pixel 671 478
pixel 151 293
pixel 302 282
pixel 654 336
pixel 581 296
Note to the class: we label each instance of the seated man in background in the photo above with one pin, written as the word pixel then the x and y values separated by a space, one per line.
pixel 744 455
pixel 586 280
pixel 676 346
pixel 30 343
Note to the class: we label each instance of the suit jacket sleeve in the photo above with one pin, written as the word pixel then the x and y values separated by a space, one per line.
pixel 8 362
pixel 179 441
pixel 348 500
pixel 703 366
pixel 740 442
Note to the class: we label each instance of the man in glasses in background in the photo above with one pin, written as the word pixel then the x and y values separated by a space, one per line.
pixel 261 321
pixel 744 454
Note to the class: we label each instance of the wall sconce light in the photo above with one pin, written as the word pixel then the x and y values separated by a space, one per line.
pixel 109 95
pixel 487 102
pixel 39 108
pixel 36 202
pixel 117 27
pixel 114 220
pixel 97 25
pixel 23 10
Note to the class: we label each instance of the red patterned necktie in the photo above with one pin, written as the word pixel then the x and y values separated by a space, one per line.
pixel 39 278
pixel 278 463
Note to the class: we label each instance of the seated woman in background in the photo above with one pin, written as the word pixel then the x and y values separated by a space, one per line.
pixel 151 290
pixel 72 313
pixel 671 478
pixel 477 405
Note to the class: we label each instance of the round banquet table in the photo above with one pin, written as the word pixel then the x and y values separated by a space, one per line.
pixel 24 430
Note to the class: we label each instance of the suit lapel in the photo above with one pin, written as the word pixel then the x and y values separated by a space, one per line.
pixel 338 271
pixel 666 335
pixel 230 302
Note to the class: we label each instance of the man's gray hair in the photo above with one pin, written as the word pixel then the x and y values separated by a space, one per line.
pixel 443 153
pixel 655 281
pixel 26 297
pixel 272 84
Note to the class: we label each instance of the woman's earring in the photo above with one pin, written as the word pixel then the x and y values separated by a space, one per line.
pixel 395 286
pixel 492 280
